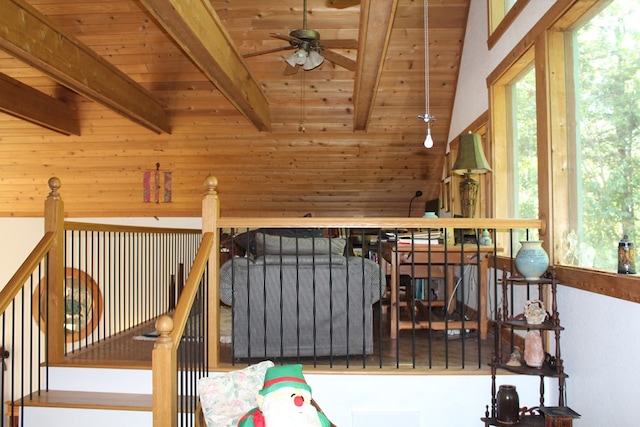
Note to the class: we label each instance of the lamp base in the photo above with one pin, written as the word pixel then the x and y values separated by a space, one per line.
pixel 468 196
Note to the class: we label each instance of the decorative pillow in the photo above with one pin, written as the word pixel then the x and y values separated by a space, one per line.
pixel 247 240
pixel 227 397
pixel 267 244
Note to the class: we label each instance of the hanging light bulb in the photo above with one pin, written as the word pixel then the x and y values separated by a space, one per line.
pixel 427 117
pixel 428 141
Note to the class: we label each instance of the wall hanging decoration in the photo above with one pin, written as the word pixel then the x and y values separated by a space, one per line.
pixel 155 182
pixel 83 304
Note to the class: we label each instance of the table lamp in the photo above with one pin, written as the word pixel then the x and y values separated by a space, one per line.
pixel 471 160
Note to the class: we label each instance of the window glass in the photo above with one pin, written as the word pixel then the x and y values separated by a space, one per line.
pixel 523 146
pixel 606 68
pixel 508 4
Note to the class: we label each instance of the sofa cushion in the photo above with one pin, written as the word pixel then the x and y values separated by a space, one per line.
pixel 267 244
pixel 247 240
pixel 301 260
pixel 227 397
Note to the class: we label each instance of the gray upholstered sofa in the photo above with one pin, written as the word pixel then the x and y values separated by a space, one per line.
pixel 317 302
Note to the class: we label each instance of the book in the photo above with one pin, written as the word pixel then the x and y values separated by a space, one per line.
pixel 421 238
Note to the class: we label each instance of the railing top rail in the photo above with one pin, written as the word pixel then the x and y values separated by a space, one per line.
pixel 88 226
pixel 26 269
pixel 386 223
pixel 188 294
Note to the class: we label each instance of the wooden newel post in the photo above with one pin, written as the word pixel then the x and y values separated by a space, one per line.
pixel 164 360
pixel 54 223
pixel 210 215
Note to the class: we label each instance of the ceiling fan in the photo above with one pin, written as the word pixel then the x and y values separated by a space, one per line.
pixel 310 52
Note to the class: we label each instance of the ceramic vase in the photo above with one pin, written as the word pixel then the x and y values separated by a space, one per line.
pixel 531 260
pixel 508 404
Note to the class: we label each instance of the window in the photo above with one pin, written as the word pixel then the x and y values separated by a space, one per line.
pixel 501 14
pixel 604 104
pixel 587 105
pixel 523 145
pixel 514 131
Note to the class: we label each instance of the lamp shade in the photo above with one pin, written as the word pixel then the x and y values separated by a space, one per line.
pixel 297 58
pixel 471 157
pixel 313 60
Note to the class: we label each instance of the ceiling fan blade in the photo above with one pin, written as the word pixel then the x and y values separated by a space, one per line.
pixel 289 70
pixel 340 43
pixel 340 60
pixel 286 37
pixel 262 52
pixel 342 4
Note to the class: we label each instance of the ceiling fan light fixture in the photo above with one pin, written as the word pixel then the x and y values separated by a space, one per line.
pixel 313 60
pixel 299 57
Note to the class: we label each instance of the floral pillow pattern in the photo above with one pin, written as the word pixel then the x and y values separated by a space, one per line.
pixel 226 398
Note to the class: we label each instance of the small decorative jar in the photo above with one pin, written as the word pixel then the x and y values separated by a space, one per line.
pixel 626 256
pixel 485 238
pixel 534 312
pixel 531 260
pixel 508 404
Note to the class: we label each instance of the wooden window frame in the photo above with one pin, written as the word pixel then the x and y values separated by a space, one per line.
pixel 544 44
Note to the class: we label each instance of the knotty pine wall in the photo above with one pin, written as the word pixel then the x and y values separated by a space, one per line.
pixel 285 173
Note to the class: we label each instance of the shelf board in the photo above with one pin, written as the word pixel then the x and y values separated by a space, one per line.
pixel 559 412
pixel 526 421
pixel 522 324
pixel 544 371
pixel 519 280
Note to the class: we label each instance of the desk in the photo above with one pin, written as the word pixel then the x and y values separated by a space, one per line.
pixel 420 261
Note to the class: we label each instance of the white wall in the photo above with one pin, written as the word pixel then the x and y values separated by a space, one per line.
pixel 600 348
pixel 478 61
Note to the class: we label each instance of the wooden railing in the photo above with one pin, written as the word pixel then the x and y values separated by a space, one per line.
pixel 139 274
pixel 199 294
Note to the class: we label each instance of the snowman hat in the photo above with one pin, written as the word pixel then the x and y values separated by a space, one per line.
pixel 284 376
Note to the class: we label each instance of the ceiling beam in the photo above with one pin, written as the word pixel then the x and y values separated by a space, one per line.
pixel 197 29
pixel 19 100
pixel 376 22
pixel 31 37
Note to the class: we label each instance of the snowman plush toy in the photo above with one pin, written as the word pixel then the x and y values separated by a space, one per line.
pixel 284 401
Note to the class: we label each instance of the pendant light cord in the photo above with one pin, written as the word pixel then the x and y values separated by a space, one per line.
pixel 301 127
pixel 427 117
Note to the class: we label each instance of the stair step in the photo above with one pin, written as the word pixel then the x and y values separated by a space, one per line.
pixel 101 380
pixel 89 400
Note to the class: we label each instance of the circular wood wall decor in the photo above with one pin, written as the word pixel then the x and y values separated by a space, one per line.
pixel 83 304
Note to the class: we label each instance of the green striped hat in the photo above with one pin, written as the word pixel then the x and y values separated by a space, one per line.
pixel 284 376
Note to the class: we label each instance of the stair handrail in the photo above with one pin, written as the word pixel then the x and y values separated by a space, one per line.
pixel 165 353
pixel 20 277
pixel 164 356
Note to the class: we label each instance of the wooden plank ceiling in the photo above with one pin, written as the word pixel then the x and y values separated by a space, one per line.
pixel 97 93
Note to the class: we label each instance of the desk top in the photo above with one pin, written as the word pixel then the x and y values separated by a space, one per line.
pixel 422 247
pixel 434 254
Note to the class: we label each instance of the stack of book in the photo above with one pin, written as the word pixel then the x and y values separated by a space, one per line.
pixel 421 238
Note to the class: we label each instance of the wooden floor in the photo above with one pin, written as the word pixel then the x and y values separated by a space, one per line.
pixel 420 350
